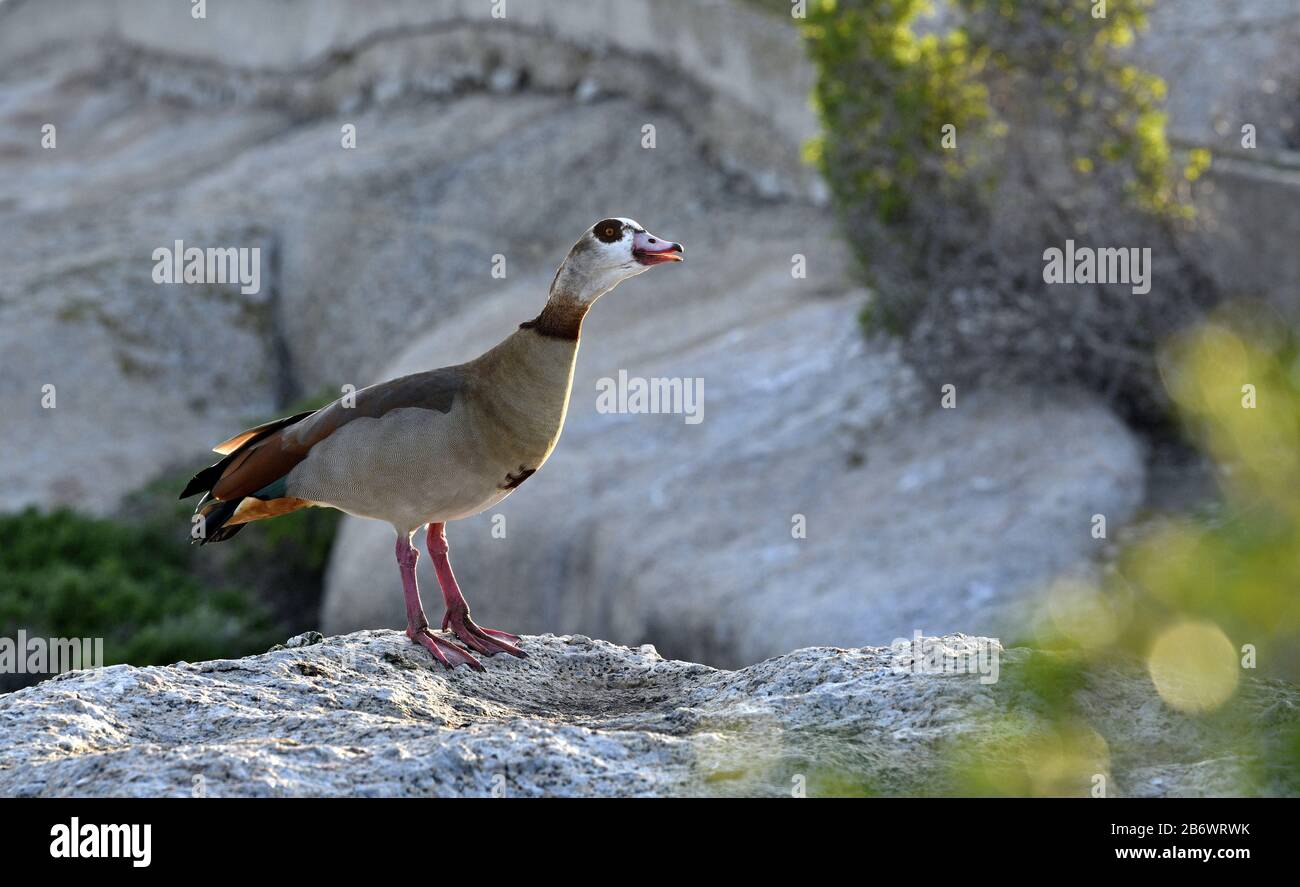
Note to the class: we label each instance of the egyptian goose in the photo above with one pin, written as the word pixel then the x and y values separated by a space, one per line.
pixel 435 446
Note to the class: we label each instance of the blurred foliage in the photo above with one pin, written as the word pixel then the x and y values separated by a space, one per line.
pixel 70 575
pixel 1236 381
pixel 1204 601
pixel 135 580
pixel 1018 758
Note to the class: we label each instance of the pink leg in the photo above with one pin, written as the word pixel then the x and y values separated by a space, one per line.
pixel 485 640
pixel 417 626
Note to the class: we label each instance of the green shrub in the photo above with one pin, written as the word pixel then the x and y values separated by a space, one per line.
pixel 64 574
pixel 1055 135
pixel 135 580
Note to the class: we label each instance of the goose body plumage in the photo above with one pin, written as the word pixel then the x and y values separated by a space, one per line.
pixel 435 446
pixel 495 421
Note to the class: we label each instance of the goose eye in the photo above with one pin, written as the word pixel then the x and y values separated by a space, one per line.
pixel 608 231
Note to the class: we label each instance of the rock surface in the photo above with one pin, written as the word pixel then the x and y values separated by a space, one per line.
pixel 370 714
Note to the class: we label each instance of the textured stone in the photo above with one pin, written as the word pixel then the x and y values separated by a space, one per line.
pixel 370 714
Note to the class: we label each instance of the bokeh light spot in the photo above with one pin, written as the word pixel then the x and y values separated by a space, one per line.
pixel 1194 667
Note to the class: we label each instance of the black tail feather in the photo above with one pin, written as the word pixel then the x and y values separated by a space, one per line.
pixel 206 479
pixel 223 534
pixel 215 514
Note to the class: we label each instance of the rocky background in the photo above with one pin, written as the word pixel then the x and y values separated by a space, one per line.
pixel 478 137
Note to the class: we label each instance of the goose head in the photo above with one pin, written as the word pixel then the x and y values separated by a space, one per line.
pixel 608 253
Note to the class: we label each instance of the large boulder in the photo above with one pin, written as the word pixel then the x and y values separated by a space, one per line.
pixel 371 714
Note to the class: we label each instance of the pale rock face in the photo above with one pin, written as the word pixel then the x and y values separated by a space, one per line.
pixel 103 372
pixel 370 714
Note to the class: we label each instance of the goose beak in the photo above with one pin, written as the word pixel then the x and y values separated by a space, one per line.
pixel 650 250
